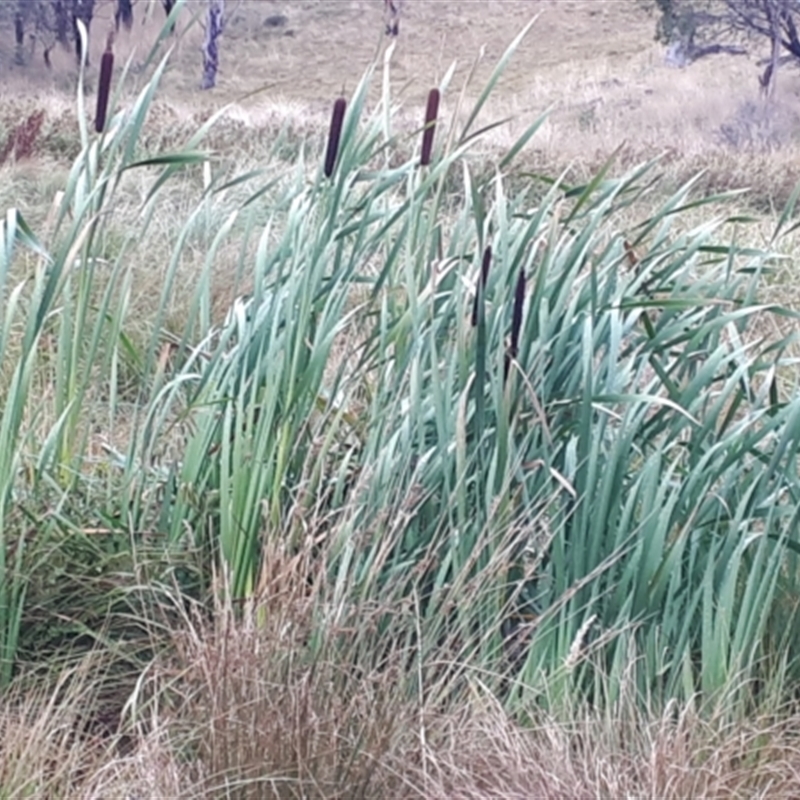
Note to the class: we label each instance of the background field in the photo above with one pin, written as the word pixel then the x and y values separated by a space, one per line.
pixel 592 63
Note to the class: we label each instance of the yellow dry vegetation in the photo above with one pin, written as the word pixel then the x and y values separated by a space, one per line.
pixel 592 64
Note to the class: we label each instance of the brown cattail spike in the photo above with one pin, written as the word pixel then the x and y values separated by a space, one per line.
pixel 481 287
pixel 516 321
pixel 431 112
pixel 333 136
pixel 104 85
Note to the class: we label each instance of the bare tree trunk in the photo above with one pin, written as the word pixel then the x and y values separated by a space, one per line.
pixel 168 6
pixel 391 10
pixel 61 18
pixel 82 10
pixel 19 30
pixel 60 21
pixel 214 27
pixel 770 76
pixel 124 14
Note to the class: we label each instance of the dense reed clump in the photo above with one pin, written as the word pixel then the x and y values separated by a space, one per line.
pixel 573 486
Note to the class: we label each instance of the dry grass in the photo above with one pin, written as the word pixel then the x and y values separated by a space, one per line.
pixel 676 756
pixel 324 45
pixel 593 64
pixel 247 706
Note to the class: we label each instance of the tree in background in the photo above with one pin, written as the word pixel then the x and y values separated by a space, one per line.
pixel 20 19
pixel 168 6
pixel 52 22
pixel 693 29
pixel 124 14
pixel 214 26
pixel 82 11
pixel 391 12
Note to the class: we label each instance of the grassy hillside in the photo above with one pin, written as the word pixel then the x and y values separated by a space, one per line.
pixel 593 64
pixel 321 46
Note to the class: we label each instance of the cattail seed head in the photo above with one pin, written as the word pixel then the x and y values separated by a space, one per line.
pixel 333 135
pixel 431 112
pixel 516 324
pixel 516 319
pixel 104 85
pixel 481 287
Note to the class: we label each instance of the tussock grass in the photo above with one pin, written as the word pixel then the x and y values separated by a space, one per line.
pixel 677 756
pixel 239 709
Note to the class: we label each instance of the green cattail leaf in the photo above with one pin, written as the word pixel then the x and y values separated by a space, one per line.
pixel 517 147
pixel 494 78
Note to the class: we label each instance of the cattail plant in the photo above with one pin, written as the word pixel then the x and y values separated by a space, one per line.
pixel 479 322
pixel 337 118
pixel 104 86
pixel 516 322
pixel 481 287
pixel 431 112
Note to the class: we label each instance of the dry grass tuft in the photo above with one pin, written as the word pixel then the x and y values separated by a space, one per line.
pixel 244 708
pixel 53 735
pixel 279 698
pixel 268 709
pixel 21 142
pixel 487 756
